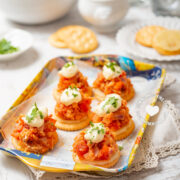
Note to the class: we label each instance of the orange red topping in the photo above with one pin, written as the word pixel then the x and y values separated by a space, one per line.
pixel 78 80
pixel 120 85
pixel 103 150
pixel 75 111
pixel 33 139
pixel 114 120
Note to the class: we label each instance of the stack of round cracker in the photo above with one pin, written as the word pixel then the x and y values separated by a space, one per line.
pixel 78 38
pixel 164 41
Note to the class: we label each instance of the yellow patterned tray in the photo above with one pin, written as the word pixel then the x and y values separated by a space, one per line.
pixel 146 78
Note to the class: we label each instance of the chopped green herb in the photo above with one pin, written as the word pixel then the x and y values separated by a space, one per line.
pixel 73 87
pixel 75 95
pixel 6 47
pixel 99 129
pixel 102 131
pixel 41 114
pixel 34 113
pixel 111 65
pixel 120 148
pixel 113 101
pixel 108 111
pixel 67 93
pixel 69 64
pixel 91 123
pixel 29 119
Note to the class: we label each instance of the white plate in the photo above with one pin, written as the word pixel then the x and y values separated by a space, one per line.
pixel 18 38
pixel 126 38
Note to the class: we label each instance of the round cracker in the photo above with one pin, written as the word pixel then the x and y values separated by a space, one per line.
pixel 56 94
pixel 128 129
pixel 56 42
pixel 146 34
pixel 71 126
pixel 130 95
pixel 78 38
pixel 19 146
pixel 106 163
pixel 167 42
pixel 66 31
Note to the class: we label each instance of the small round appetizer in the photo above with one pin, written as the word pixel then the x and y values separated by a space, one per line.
pixel 70 75
pixel 96 146
pixel 114 114
pixel 72 110
pixel 113 79
pixel 35 132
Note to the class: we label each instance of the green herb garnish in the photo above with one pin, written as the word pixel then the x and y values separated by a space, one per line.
pixel 120 148
pixel 73 87
pixel 69 64
pixel 75 95
pixel 34 113
pixel 97 128
pixel 91 123
pixel 111 66
pixel 113 101
pixel 6 47
pixel 52 124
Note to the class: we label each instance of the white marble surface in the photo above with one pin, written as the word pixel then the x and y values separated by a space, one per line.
pixel 15 76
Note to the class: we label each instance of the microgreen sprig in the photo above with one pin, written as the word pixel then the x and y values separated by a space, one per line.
pixel 113 101
pixel 69 64
pixel 6 47
pixel 120 148
pixel 34 113
pixel 111 65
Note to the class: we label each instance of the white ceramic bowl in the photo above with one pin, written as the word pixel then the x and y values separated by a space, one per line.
pixel 105 15
pixel 35 11
pixel 18 38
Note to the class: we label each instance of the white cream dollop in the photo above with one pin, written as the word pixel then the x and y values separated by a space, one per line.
pixel 69 70
pixel 70 95
pixel 38 120
pixel 111 70
pixel 95 133
pixel 111 103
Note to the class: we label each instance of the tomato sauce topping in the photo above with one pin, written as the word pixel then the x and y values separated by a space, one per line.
pixel 103 150
pixel 114 120
pixel 78 80
pixel 75 111
pixel 120 85
pixel 33 139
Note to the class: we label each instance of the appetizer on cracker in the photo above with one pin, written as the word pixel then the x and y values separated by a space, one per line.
pixel 72 109
pixel 96 146
pixel 35 132
pixel 113 79
pixel 70 75
pixel 114 114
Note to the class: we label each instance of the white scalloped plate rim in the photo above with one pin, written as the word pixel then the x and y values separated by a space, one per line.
pixel 125 38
